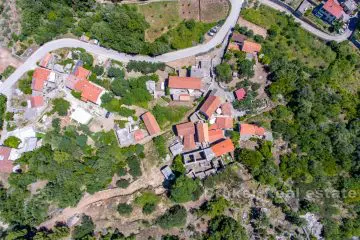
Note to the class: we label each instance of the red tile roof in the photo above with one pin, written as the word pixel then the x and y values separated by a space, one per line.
pixel 233 47
pixel 89 91
pixel 202 131
pixel 213 127
pixel 71 81
pixel 250 129
pixel 37 101
pixel 224 122
pixel 226 109
pixel 184 97
pixel 223 147
pixel 39 77
pixel 151 124
pixel 184 82
pixel 184 129
pixel 4 153
pixel 237 37
pixel 138 135
pixel 334 8
pixel 251 47
pixel 6 166
pixel 240 94
pixel 45 61
pixel 210 105
pixel 215 135
pixel 82 73
pixel 189 142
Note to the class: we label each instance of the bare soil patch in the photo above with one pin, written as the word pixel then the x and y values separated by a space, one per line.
pixel 204 10
pixel 256 29
pixel 7 59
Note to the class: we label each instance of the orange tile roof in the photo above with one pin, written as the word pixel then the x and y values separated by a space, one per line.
pixel 334 8
pixel 184 97
pixel 210 105
pixel 82 73
pixel 213 127
pixel 240 93
pixel 223 147
pixel 89 91
pixel 189 142
pixel 251 47
pixel 184 82
pixel 224 122
pixel 202 131
pixel 215 135
pixel 151 124
pixel 4 153
pixel 36 101
pixel 250 129
pixel 6 166
pixel 233 47
pixel 138 135
pixel 226 109
pixel 184 129
pixel 45 61
pixel 39 77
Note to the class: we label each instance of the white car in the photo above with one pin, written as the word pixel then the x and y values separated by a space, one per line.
pixel 211 33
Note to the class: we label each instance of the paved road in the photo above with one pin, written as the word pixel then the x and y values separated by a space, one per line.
pixel 30 63
pixel 308 27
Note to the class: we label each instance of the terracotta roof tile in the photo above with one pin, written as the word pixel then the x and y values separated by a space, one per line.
pixel 202 131
pixel 215 135
pixel 251 47
pixel 223 147
pixel 4 153
pixel 184 129
pixel 37 101
pixel 250 129
pixel 334 8
pixel 224 122
pixel 82 73
pixel 138 135
pixel 227 109
pixel 151 124
pixel 240 94
pixel 89 91
pixel 184 82
pixel 184 97
pixel 6 166
pixel 39 77
pixel 189 142
pixel 45 61
pixel 233 47
pixel 210 105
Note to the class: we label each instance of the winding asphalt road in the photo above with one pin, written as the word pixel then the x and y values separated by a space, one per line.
pixel 230 22
pixel 30 63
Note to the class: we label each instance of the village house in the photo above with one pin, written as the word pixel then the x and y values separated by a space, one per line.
pixel 151 124
pixel 6 165
pixel 182 88
pixel 350 6
pixel 36 102
pixel 251 47
pixel 248 131
pixel 240 94
pixel 78 82
pixel 40 76
pixel 330 11
pixel 210 105
pixel 227 109
pixel 187 131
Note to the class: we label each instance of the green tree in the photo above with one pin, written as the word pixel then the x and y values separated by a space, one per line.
pixel 173 217
pixel 224 72
pixel 124 209
pixel 185 189
pixel 160 146
pixel 223 227
pixel 60 106
pixel 86 228
pixel 12 142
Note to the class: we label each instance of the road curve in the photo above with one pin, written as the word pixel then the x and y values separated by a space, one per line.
pixel 320 34
pixel 30 63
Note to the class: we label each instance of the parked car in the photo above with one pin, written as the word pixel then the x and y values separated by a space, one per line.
pixel 211 33
pixel 107 115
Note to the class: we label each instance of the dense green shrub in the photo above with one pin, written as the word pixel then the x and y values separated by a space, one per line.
pixel 173 217
pixel 124 209
pixel 122 183
pixel 144 67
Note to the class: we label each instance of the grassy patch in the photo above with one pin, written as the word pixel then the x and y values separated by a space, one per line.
pixel 187 34
pixel 166 116
pixel 161 17
pixel 8 71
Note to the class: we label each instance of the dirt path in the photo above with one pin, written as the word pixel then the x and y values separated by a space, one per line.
pixel 7 59
pixel 151 179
